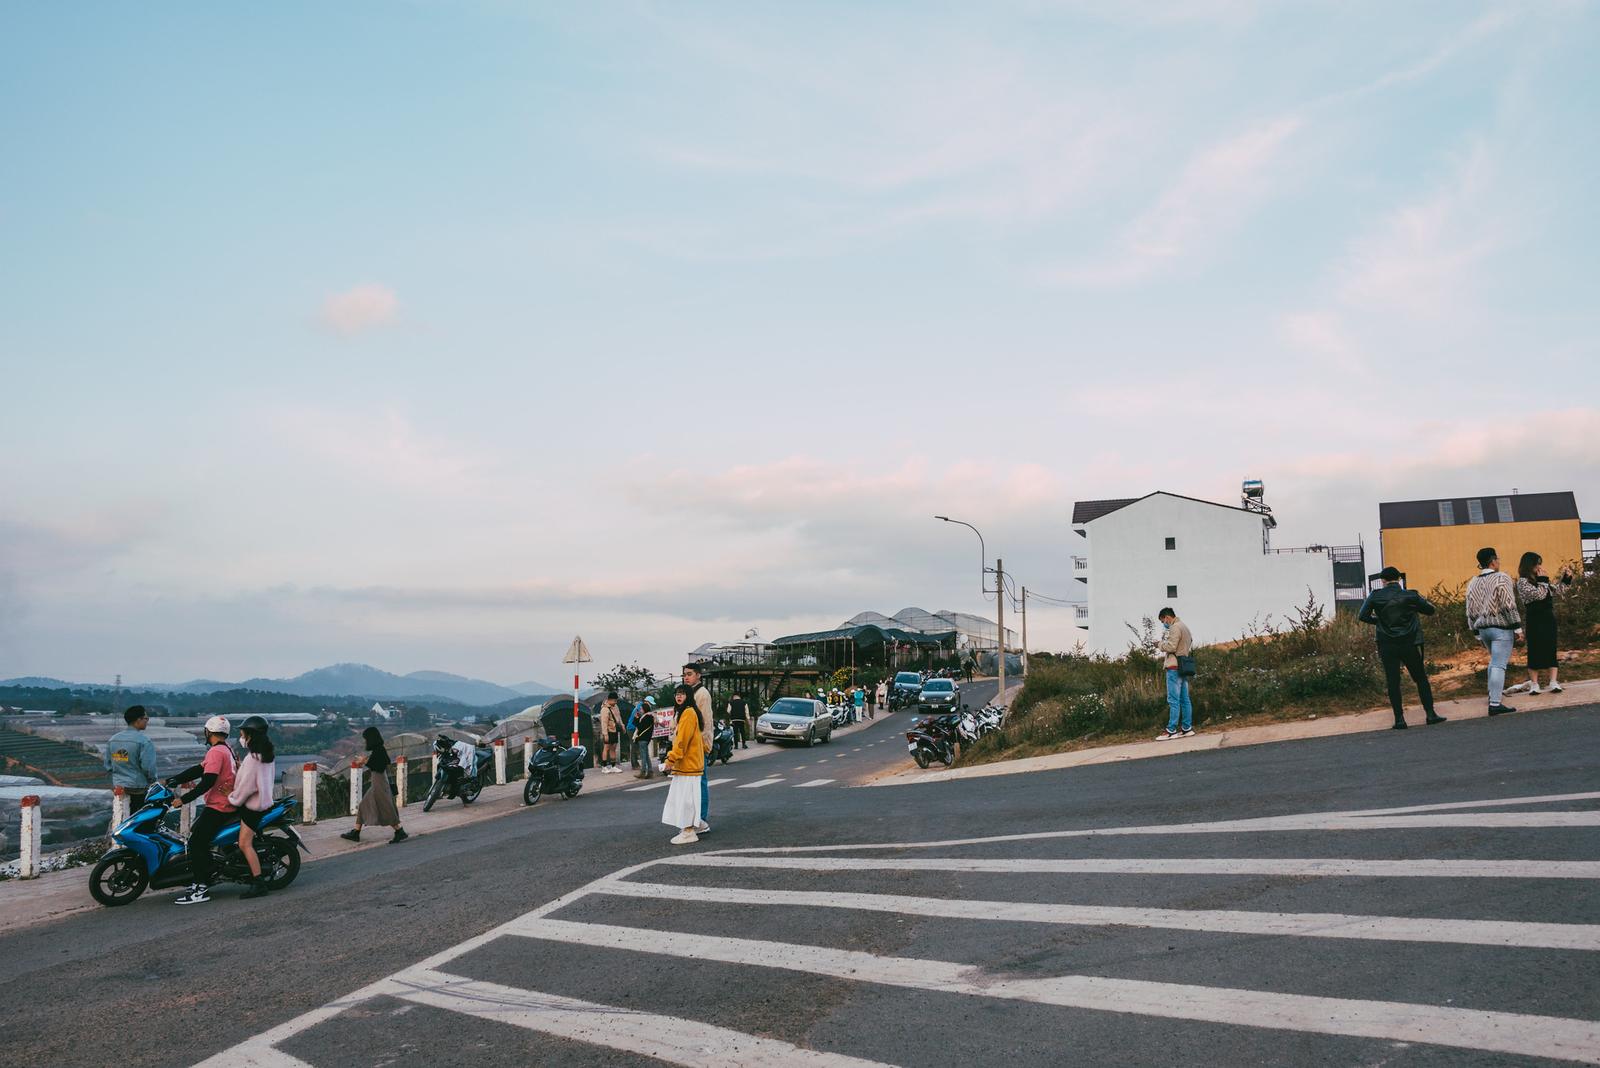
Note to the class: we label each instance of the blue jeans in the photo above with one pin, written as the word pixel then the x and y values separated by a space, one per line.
pixel 1498 640
pixel 1182 716
pixel 705 793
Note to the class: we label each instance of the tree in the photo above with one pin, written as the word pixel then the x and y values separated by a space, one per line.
pixel 630 681
pixel 416 717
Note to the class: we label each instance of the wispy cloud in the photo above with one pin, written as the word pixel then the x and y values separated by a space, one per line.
pixel 1215 191
pixel 360 308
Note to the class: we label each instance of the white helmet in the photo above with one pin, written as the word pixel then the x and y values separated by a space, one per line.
pixel 218 725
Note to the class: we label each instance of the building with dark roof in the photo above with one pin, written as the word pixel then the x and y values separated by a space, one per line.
pixel 1436 541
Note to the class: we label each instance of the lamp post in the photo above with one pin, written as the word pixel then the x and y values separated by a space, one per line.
pixel 999 592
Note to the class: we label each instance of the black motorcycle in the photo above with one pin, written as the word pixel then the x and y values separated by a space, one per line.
pixel 933 739
pixel 722 742
pixel 556 769
pixel 452 780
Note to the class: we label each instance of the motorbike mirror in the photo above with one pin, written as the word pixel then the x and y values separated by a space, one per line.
pixel 966 708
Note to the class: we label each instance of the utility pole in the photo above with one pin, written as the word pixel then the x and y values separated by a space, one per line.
pixel 1024 632
pixel 1000 622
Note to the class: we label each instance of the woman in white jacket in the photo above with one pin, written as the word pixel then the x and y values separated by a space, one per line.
pixel 252 795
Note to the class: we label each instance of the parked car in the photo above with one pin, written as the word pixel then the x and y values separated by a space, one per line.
pixel 905 689
pixel 939 695
pixel 795 719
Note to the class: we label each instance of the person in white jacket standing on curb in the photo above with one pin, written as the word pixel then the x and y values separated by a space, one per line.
pixel 252 796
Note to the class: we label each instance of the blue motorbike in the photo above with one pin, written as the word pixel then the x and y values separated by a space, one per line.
pixel 150 856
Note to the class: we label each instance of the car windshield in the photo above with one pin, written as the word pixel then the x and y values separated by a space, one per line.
pixel 939 686
pixel 908 676
pixel 803 709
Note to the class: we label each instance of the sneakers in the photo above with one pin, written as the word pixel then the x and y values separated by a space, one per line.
pixel 1188 733
pixel 686 839
pixel 260 886
pixel 400 835
pixel 1434 717
pixel 1554 687
pixel 702 827
pixel 1533 689
pixel 1164 735
pixel 1518 687
pixel 198 894
pixel 1500 710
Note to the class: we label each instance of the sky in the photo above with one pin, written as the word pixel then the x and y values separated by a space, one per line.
pixel 429 335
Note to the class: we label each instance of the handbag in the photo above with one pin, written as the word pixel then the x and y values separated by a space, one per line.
pixel 1186 666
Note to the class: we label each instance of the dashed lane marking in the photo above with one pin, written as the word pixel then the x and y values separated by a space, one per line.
pixel 813 782
pixel 1498 1032
pixel 666 1038
pixel 1566 936
pixel 759 783
pixel 649 786
pixel 718 782
pixel 1312 866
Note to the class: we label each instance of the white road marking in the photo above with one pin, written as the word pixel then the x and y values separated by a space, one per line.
pixel 1315 866
pixel 718 782
pixel 666 1038
pixel 1499 1032
pixel 650 786
pixel 813 782
pixel 256 1055
pixel 759 783
pixel 1569 936
pixel 1364 820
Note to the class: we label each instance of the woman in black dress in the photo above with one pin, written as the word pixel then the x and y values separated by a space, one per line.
pixel 1538 595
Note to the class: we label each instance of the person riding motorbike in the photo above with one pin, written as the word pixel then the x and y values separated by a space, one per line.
pixel 215 773
pixel 252 795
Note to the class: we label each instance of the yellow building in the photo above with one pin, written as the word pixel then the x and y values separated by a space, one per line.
pixel 1436 542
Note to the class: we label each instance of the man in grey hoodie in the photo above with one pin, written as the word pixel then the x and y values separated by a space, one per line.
pixel 131 757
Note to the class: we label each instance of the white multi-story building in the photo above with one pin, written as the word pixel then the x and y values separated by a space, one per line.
pixel 1212 563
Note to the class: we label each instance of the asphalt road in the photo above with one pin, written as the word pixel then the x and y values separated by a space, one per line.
pixel 1164 911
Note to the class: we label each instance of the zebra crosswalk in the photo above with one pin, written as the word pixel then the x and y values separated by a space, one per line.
pixel 1104 941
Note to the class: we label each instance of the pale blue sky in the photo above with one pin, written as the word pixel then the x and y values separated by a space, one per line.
pixel 429 334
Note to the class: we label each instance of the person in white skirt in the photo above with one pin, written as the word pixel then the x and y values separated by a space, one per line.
pixel 686 763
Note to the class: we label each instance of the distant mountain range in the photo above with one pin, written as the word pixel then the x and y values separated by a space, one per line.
pixel 340 680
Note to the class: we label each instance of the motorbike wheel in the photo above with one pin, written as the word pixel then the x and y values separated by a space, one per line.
pixel 725 761
pixel 947 756
pixel 531 789
pixel 119 878
pixel 921 757
pixel 434 793
pixel 470 789
pixel 281 861
pixel 572 791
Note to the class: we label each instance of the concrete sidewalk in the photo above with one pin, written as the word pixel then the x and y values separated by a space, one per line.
pixel 1378 719
pixel 53 895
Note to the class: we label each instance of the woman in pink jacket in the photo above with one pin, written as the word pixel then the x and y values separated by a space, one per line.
pixel 252 796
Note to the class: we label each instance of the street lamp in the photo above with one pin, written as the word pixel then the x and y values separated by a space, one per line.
pixel 983 552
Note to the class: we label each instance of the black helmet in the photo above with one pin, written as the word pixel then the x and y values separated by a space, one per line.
pixel 254 723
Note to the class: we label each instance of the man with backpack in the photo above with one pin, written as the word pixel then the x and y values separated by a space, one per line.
pixel 1176 649
pixel 1394 611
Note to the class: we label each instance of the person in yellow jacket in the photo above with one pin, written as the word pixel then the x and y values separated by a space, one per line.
pixel 686 763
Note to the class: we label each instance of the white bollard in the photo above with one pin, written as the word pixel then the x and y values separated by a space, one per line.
pixel 308 794
pixel 357 767
pixel 400 777
pixel 500 761
pixel 527 756
pixel 119 806
pixel 32 830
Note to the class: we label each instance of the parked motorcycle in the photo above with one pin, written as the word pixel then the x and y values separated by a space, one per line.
pixel 150 856
pixel 933 739
pixel 722 742
pixel 556 769
pixel 454 778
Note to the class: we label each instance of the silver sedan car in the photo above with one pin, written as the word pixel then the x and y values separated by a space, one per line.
pixel 939 695
pixel 795 719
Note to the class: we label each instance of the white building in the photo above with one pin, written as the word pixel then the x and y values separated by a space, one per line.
pixel 1212 563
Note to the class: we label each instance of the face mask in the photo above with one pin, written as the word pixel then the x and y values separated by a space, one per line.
pixel 1166 626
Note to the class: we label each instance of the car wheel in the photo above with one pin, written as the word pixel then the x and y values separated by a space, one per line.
pixel 811 738
pixel 826 738
pixel 760 740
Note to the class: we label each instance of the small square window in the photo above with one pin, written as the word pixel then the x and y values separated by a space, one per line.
pixel 1447 513
pixel 1172 543
pixel 1172 591
pixel 1502 507
pixel 1474 511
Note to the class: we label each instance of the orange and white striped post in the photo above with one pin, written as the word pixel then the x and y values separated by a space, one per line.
pixel 499 761
pixel 119 806
pixel 400 776
pixel 308 794
pixel 575 708
pixel 32 838
pixel 357 766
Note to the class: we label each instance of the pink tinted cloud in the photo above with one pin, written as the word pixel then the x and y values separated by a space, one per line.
pixel 360 308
